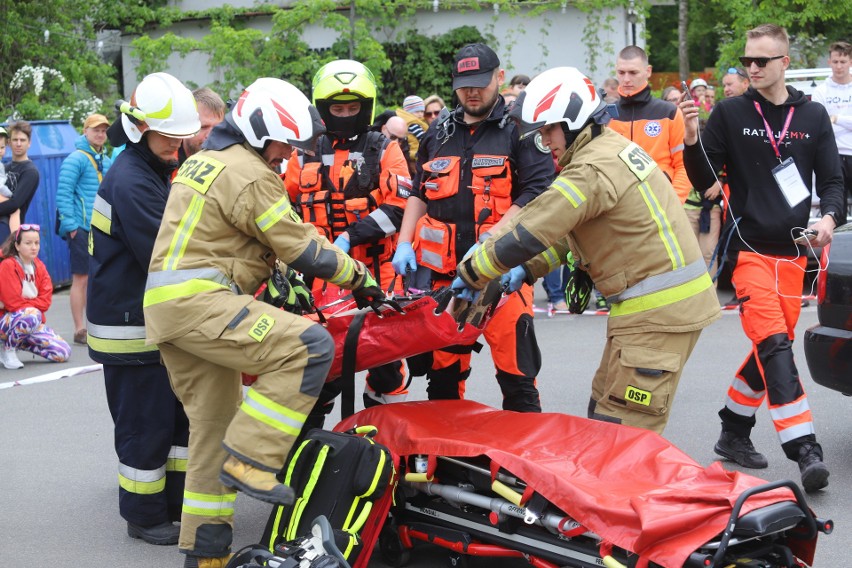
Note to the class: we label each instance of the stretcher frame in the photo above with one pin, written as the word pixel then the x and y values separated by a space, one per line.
pixel 463 490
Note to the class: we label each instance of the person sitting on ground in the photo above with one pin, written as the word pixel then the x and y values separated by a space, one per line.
pixel 26 292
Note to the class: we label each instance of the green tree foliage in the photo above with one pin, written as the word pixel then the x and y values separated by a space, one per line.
pixel 717 30
pixel 59 36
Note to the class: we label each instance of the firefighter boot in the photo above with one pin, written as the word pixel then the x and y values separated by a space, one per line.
pixel 739 449
pixel 255 482
pixel 814 471
pixel 164 533
pixel 200 562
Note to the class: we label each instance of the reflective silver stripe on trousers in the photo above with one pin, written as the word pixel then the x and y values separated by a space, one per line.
pixel 169 277
pixel 663 281
pixel 103 207
pixel 143 475
pixel 116 331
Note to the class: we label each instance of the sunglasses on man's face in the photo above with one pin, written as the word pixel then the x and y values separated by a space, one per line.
pixel 759 61
pixel 393 137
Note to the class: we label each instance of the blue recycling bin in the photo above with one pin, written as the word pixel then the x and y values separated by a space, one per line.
pixel 52 142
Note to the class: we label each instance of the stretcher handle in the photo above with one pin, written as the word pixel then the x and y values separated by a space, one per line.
pixel 809 520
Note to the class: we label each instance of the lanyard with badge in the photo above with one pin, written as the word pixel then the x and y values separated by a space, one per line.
pixel 786 173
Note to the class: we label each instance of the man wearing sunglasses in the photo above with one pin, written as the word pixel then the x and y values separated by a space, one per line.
pixel 771 141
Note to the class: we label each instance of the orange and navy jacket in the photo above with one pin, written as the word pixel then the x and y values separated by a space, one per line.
pixel 356 186
pixel 657 126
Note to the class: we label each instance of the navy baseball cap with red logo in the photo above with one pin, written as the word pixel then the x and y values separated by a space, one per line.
pixel 474 66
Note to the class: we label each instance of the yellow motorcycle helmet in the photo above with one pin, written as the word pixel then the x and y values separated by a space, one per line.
pixel 344 81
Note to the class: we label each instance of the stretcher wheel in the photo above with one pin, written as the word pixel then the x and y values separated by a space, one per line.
pixel 393 551
pixel 457 560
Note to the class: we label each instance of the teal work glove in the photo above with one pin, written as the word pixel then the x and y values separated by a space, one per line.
pixel 404 258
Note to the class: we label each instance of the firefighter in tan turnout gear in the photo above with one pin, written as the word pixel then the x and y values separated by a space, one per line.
pixel 226 220
pixel 616 211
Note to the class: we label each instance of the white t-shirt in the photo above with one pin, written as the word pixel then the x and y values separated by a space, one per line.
pixel 837 100
pixel 28 285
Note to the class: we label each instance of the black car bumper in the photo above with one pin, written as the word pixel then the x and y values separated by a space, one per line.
pixel 829 354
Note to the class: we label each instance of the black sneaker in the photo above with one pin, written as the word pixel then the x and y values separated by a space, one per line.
pixel 162 534
pixel 739 449
pixel 813 469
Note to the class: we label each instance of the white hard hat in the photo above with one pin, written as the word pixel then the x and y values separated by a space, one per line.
pixel 273 109
pixel 561 94
pixel 697 83
pixel 163 104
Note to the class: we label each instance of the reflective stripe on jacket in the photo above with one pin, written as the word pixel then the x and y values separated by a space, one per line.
pixel 617 212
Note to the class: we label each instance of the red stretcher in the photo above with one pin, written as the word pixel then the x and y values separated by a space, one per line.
pixel 560 490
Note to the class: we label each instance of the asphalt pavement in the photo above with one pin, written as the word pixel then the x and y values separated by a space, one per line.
pixel 58 490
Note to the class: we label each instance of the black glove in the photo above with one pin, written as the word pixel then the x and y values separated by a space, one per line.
pixel 288 292
pixel 368 294
pixel 578 288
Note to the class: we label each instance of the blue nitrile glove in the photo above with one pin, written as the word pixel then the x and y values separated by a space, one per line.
pixel 404 258
pixel 462 292
pixel 514 279
pixel 342 242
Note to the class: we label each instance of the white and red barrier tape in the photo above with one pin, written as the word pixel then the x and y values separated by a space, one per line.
pixel 62 374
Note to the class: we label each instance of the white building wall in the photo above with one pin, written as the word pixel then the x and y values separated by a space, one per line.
pixel 526 44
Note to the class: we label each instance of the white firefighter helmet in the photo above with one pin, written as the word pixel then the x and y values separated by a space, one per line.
pixel 273 109
pixel 561 94
pixel 163 104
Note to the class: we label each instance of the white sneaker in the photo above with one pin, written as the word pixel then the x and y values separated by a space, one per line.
pixel 10 359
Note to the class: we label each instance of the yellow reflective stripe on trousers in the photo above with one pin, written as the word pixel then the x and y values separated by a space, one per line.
pixel 274 214
pixel 183 233
pixel 571 192
pixel 271 413
pixel 178 456
pixel 662 298
pixel 208 504
pixel 664 228
pixel 141 481
pixel 172 291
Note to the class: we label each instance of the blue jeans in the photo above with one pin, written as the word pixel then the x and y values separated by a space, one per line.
pixel 554 284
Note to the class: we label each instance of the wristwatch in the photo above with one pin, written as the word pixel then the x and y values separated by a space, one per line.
pixel 833 215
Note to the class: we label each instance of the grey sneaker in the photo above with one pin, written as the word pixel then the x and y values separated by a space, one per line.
pixel 739 449
pixel 10 359
pixel 813 469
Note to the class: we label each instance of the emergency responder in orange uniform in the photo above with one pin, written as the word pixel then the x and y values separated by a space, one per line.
pixel 616 211
pixel 353 190
pixel 656 125
pixel 225 222
pixel 151 429
pixel 473 174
